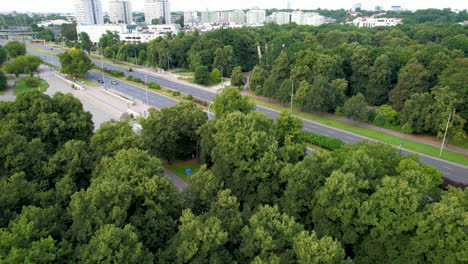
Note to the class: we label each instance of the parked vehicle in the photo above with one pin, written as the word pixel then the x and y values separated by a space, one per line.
pixel 100 81
pixel 114 82
pixel 130 70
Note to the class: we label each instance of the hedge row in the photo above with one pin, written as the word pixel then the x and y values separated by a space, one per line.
pixel 323 141
pixel 153 85
pixel 115 73
pixel 133 79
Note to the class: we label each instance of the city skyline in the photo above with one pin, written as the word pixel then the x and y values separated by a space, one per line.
pixel 187 5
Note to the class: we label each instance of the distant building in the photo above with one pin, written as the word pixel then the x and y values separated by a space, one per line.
pixel 370 22
pixel 308 18
pixel 396 8
pixel 256 17
pixel 357 6
pixel 222 17
pixel 120 12
pixel 174 18
pixel 281 18
pixel 152 33
pixel 95 32
pixel 88 12
pixel 237 17
pixel 191 18
pixel 354 13
pixel 208 17
pixel 57 22
pixel 157 9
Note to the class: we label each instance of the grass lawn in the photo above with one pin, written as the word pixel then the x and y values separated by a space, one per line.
pixel 390 139
pixel 178 167
pixel 22 87
pixel 88 82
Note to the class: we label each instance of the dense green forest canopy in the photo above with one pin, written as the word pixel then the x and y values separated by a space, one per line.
pixel 71 195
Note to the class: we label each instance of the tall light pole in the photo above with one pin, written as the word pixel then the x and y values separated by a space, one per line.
pixel 147 100
pixel 445 134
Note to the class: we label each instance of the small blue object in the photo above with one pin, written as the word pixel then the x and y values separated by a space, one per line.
pixel 401 143
pixel 188 171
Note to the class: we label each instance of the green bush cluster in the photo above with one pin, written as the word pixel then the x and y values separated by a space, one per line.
pixel 323 141
pixel 115 73
pixel 175 93
pixel 133 79
pixel 153 85
pixel 32 82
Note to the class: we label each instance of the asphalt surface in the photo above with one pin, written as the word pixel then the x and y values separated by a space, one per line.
pixel 452 171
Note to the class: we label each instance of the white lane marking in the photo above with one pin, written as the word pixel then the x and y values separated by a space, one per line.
pixel 447 168
pixel 448 173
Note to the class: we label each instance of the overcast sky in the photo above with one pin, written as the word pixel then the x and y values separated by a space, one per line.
pixel 185 5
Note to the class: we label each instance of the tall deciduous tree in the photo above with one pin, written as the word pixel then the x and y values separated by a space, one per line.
pixel 15 49
pixel 75 63
pixel 412 79
pixel 202 75
pixel 379 83
pixel 256 80
pixel 171 133
pixel 224 59
pixel 237 77
pixel 360 63
pixel 356 108
pixel 230 100
pixel 85 41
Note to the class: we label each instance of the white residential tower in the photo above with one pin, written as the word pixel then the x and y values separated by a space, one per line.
pixel 88 12
pixel 120 12
pixel 157 9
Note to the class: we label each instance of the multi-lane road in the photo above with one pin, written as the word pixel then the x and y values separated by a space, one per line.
pixel 452 171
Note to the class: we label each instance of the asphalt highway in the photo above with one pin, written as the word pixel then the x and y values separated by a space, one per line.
pixel 452 171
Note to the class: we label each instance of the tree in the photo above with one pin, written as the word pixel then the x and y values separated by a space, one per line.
pixel 75 63
pixel 310 249
pixel 216 76
pixel 256 80
pixel 328 66
pixel 171 133
pixel 127 189
pixel 224 59
pixel 230 100
pixel 85 42
pixel 379 81
pixel 288 126
pixel 114 244
pixel 360 63
pixel 3 55
pixel 237 77
pixel 202 190
pixel 202 75
pixel 302 93
pixel 3 81
pixel 412 79
pixel 440 231
pixel 69 32
pixel 455 77
pixel 47 35
pixel 15 49
pixel 356 108
pixel 324 96
pixel 155 21
pixel 280 69
pixel 22 64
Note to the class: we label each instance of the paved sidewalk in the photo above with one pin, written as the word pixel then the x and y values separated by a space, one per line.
pixel 178 182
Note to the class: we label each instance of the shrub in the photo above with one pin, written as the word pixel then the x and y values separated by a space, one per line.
pixel 406 128
pixel 137 80
pixel 380 119
pixel 175 93
pixel 117 73
pixel 323 141
pixel 32 82
pixel 189 97
pixel 392 116
pixel 153 85
pixel 129 78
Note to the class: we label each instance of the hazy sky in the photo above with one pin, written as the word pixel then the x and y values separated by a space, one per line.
pixel 184 5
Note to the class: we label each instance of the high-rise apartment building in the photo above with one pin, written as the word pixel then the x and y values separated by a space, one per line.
pixel 256 17
pixel 191 18
pixel 208 17
pixel 157 9
pixel 281 18
pixel 120 11
pixel 307 18
pixel 237 17
pixel 88 12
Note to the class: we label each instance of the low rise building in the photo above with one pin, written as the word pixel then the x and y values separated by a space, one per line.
pixel 308 18
pixel 57 22
pixel 96 31
pixel 370 22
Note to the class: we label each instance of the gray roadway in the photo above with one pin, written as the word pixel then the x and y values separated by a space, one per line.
pixel 451 170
